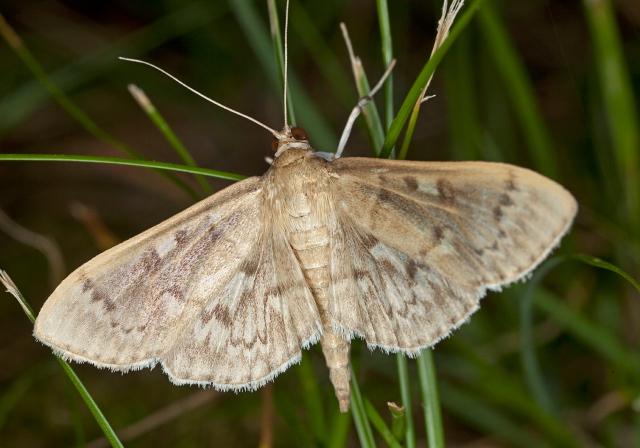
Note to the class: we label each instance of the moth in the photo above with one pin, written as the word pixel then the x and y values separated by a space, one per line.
pixel 228 292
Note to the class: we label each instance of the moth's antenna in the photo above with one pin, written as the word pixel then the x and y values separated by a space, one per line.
pixel 286 59
pixel 275 133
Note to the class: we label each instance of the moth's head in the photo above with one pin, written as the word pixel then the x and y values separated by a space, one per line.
pixel 289 138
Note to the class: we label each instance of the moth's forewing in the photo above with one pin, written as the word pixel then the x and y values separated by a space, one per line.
pixel 419 243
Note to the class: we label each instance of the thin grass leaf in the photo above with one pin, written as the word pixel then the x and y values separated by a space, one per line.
pixel 427 71
pixel 462 101
pixel 289 410
pixel 278 51
pixel 312 399
pixel 24 99
pixel 404 149
pixel 74 412
pixel 162 125
pixel 598 338
pixel 593 261
pixel 387 56
pixel 487 419
pixel 378 422
pixel 90 126
pixel 339 427
pixel 405 394
pixel 618 100
pixel 14 392
pixel 259 38
pixel 530 366
pixel 365 435
pixel 398 421
pixel 430 399
pixel 497 386
pixel 449 13
pixel 372 118
pixel 325 57
pixel 91 404
pixel 121 161
pixel 518 85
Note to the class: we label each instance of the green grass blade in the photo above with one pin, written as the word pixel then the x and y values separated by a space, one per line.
pixel 618 100
pixel 487 419
pixel 308 115
pixel 91 404
pixel 593 261
pixel 306 31
pixel 121 161
pixel 167 132
pixel 340 425
pixel 399 421
pixel 405 394
pixel 289 410
pixel 387 57
pixel 530 365
pixel 74 413
pixel 491 383
pixel 378 422
pixel 410 100
pixel 413 119
pixel 430 399
pixel 278 51
pixel 312 399
pixel 593 335
pixel 90 126
pixel 363 428
pixel 26 98
pixel 13 393
pixel 462 100
pixel 518 85
pixel 371 116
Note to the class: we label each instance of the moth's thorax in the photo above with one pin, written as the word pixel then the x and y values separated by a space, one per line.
pixel 297 190
pixel 292 152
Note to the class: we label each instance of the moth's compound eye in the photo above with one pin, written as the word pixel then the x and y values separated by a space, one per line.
pixel 274 144
pixel 299 133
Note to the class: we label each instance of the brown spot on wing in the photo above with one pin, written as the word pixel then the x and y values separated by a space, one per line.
pixel 87 285
pixel 497 213
pixel 384 195
pixel 412 270
pixel 220 312
pixel 99 296
pixel 411 183
pixel 369 241
pixel 181 237
pixel 249 266
pixel 445 191
pixel 438 235
pixel 505 200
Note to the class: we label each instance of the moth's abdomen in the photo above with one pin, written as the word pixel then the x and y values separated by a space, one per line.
pixel 312 251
